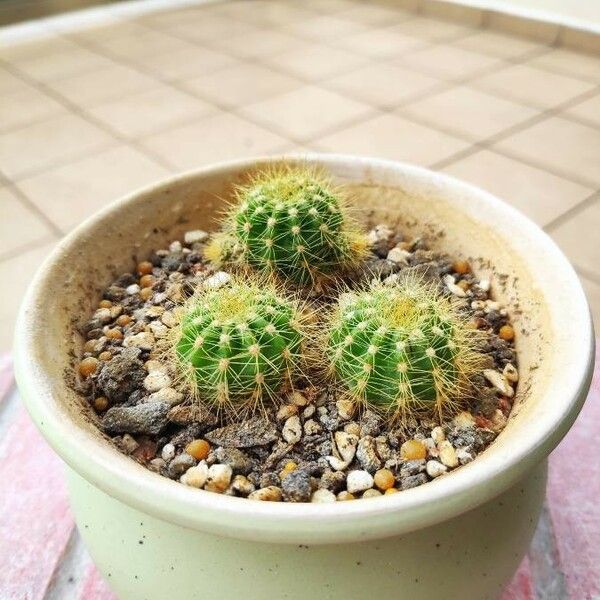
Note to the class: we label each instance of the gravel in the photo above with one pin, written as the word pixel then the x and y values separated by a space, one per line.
pixel 149 418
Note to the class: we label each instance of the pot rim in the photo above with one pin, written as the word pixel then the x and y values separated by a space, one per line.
pixel 471 485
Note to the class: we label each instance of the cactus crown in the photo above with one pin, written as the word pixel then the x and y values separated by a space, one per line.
pixel 401 346
pixel 292 222
pixel 239 343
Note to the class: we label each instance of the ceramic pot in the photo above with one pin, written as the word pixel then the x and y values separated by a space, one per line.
pixel 460 536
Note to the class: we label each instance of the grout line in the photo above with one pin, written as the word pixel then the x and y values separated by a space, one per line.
pixel 6 256
pixel 572 212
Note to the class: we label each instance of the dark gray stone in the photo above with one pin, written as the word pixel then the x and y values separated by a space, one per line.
pixel 149 418
pixel 122 376
pixel 296 486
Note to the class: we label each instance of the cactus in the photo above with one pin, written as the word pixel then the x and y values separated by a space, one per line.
pixel 293 223
pixel 402 347
pixel 238 343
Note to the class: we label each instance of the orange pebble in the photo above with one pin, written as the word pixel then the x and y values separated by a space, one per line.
pixel 413 450
pixel 104 356
pixel 100 404
pixel 114 334
pixel 199 449
pixel 146 293
pixel 384 479
pixel 124 320
pixel 146 281
pixel 461 266
pixel 144 268
pixel 105 304
pixel 391 490
pixel 88 366
pixel 506 333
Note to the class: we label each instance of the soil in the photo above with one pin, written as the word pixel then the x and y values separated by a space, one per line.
pixel 312 445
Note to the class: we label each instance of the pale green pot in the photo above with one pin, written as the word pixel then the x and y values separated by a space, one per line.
pixel 460 536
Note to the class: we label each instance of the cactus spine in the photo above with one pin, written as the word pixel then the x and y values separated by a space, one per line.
pixel 401 347
pixel 239 343
pixel 293 223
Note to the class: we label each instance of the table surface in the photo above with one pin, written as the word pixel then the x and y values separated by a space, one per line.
pixel 42 556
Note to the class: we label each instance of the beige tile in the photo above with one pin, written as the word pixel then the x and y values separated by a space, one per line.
pixel 454 11
pixel 468 112
pixel 588 110
pixel 392 137
pixel 579 39
pixel 374 15
pixel 25 50
pixel 592 291
pixel 48 143
pixel 101 85
pixel 499 44
pixel 328 6
pixel 569 62
pixel 532 86
pixel 561 145
pixel 98 35
pixel 212 139
pixel 257 44
pixel 83 187
pixel 540 195
pixel 64 63
pixel 19 226
pixel 542 31
pixel 26 106
pixel 182 64
pixel 150 111
pixel 206 28
pixel 382 84
pixel 316 61
pixel 241 84
pixel 306 112
pixel 11 83
pixel 433 30
pixel 449 62
pixel 264 13
pixel 578 237
pixel 16 273
pixel 384 43
pixel 324 28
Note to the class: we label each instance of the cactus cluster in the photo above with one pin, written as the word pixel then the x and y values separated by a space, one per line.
pixel 292 223
pixel 401 347
pixel 239 343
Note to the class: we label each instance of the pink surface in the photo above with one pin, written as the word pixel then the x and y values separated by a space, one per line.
pixel 35 522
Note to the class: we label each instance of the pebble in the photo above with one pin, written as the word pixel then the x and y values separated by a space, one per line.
pixel 345 495
pixel 194 236
pixel 450 283
pixel 413 481
pixel 292 430
pixel 175 247
pixel 252 432
pixel 332 480
pixel 510 373
pixel 298 399
pixel 499 382
pixel 219 477
pixel 143 340
pixel 159 330
pixel 168 452
pixel 196 476
pixel 122 376
pixel 132 289
pixel 484 284
pixel 216 281
pixel 346 444
pixel 464 419
pixel 242 485
pixel 413 450
pixel 199 449
pixel 322 496
pixel 311 427
pixel 448 454
pixel 358 481
pixel 168 319
pixel 103 315
pixel 167 394
pixel 149 418
pixel 464 456
pixel 438 435
pixel 286 411
pixel 384 479
pixel 194 413
pixel 345 408
pixel 296 486
pixel 435 468
pixel 180 464
pixel 267 494
pixel 239 461
pixel 412 467
pixel 371 493
pixel 157 380
pixel 398 256
pixel 128 443
pixel 379 233
pixel 366 454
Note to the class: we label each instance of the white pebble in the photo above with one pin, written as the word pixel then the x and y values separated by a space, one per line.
pixel 484 285
pixel 345 408
pixel 168 452
pixel 143 340
pixel 132 289
pixel 216 281
pixel 219 477
pixel 157 380
pixel 499 382
pixel 398 256
pixel 359 481
pixel 298 399
pixel 438 435
pixel 196 235
pixel 464 456
pixel 153 312
pixel 196 476
pixel 448 454
pixel 371 494
pixel 154 365
pixel 168 319
pixel 311 427
pixel 129 443
pixel 464 419
pixel 435 469
pixel 159 329
pixel 103 315
pixel 175 246
pixel 511 373
pixel 452 287
pixel 322 495
pixel 346 444
pixel 379 233
pixel 168 394
pixel 292 430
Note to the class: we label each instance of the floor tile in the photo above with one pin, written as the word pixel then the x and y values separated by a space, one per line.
pixel 382 43
pixel 578 237
pixel 82 187
pixel 324 28
pixel 19 225
pixel 241 84
pixel 257 44
pixel 265 13
pixel 569 62
pixel 48 143
pixel 16 273
pixel 499 44
pixel 434 30
pixel 468 112
pixel 392 137
pixel 376 16
pixel 535 87
pixel 65 63
pixel 20 51
pixel 588 110
pixel 11 83
pixel 383 85
pixel 592 291
pixel 213 139
pixel 561 145
pixel 329 6
pixel 99 34
pixel 449 62
pixel 316 61
pixel 538 194
pixel 101 85
pixel 26 106
pixel 306 112
pixel 151 111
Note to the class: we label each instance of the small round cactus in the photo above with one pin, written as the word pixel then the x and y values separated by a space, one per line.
pixel 293 223
pixel 401 347
pixel 239 343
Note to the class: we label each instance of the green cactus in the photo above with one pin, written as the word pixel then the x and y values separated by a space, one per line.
pixel 401 347
pixel 239 343
pixel 293 223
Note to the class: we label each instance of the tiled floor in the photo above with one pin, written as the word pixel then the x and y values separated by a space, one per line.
pixel 89 115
